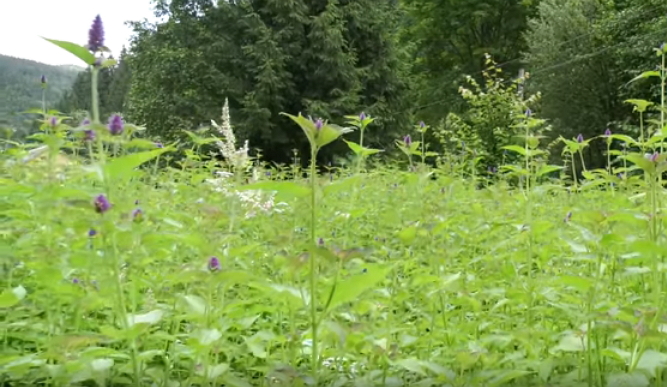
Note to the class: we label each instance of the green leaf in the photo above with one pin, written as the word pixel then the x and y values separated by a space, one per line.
pixel 306 125
pixel 504 377
pixel 11 297
pixel 360 150
pixel 341 185
pixel 408 235
pixel 123 167
pixel 412 365
pixel 645 74
pixel 635 379
pixel 150 318
pixel 640 104
pixel 516 148
pixel 651 361
pixel 351 288
pixel 548 169
pixel 639 160
pixel 289 188
pixel 79 51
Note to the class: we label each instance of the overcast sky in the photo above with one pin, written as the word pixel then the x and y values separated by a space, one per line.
pixel 22 22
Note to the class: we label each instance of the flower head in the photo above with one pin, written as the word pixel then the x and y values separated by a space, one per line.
pixel 43 80
pixel 529 112
pixel 422 124
pixel 407 140
pixel 102 204
pixel 92 232
pixel 85 122
pixel 362 116
pixel 137 215
pixel 214 264
pixel 115 124
pixel 319 124
pixel 580 138
pixel 88 135
pixel 607 132
pixel 159 145
pixel 96 35
pixel 53 121
pixel 654 157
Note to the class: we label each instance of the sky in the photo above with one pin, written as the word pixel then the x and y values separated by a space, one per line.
pixel 22 22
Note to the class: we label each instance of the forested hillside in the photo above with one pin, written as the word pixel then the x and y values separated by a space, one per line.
pixel 21 88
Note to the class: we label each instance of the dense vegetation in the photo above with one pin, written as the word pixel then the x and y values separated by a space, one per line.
pixel 20 90
pixel 497 241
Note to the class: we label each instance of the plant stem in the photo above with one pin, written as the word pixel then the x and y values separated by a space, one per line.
pixel 95 96
pixel 313 273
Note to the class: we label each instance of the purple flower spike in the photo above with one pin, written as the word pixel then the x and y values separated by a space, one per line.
pixel 362 116
pixel 159 145
pixel 102 204
pixel 319 124
pixel 407 140
pixel 96 35
pixel 214 264
pixel 320 242
pixel 88 135
pixel 654 157
pixel 43 80
pixel 85 122
pixel 92 232
pixel 422 124
pixel 75 281
pixel 53 121
pixel 607 132
pixel 529 112
pixel 580 138
pixel 115 124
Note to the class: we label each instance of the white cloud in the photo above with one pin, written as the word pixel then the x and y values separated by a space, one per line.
pixel 22 22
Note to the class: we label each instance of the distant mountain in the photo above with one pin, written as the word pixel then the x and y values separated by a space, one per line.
pixel 20 88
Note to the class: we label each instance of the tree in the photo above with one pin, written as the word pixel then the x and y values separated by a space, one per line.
pixel 320 58
pixel 450 39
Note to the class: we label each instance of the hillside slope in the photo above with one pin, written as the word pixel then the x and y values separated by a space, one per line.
pixel 20 87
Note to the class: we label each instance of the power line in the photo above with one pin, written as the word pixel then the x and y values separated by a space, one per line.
pixel 561 64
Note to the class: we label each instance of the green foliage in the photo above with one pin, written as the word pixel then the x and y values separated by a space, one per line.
pixel 324 60
pixel 20 90
pixel 449 38
pixel 494 118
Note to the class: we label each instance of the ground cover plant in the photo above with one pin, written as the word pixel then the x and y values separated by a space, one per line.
pixel 120 272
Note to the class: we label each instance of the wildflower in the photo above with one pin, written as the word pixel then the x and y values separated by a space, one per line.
pixel 407 140
pixel 362 116
pixel 159 145
pixel 43 80
pixel 75 281
pixel 422 124
pixel 96 35
pixel 137 215
pixel 115 124
pixel 237 157
pixel 102 204
pixel 319 124
pixel 529 112
pixel 92 232
pixel 580 138
pixel 654 157
pixel 53 121
pixel 85 122
pixel 320 242
pixel 214 264
pixel 607 132
pixel 88 135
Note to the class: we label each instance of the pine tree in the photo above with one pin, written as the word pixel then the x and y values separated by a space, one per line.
pixel 320 58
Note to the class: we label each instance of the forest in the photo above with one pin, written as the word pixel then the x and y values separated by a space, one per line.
pixel 341 193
